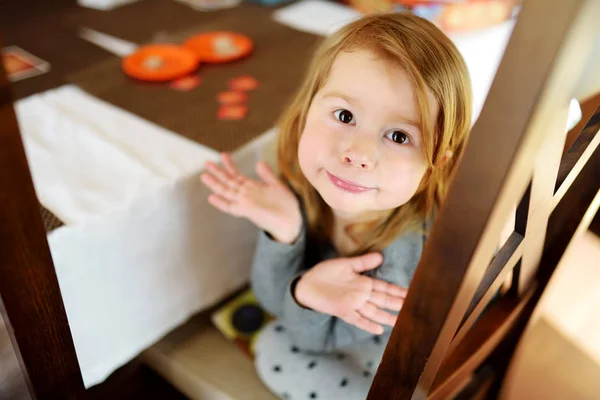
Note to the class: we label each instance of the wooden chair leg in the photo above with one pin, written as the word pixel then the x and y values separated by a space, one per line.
pixel 30 299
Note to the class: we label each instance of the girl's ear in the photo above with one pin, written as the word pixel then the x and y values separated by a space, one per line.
pixel 445 158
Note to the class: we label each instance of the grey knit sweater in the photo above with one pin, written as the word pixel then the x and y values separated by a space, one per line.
pixel 277 265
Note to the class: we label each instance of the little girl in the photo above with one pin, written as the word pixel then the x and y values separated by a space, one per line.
pixel 366 151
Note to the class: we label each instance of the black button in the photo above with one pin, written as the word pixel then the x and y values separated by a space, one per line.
pixel 248 318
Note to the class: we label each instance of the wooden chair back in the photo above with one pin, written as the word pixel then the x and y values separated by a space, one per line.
pixel 448 331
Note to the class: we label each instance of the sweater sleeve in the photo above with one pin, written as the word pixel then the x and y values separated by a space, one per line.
pixel 275 265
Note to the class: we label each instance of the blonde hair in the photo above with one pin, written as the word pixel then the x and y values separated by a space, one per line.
pixel 433 63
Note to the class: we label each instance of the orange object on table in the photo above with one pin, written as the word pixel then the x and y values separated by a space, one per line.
pixel 219 47
pixel 160 62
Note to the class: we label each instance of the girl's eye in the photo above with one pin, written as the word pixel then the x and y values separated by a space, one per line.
pixel 398 137
pixel 344 116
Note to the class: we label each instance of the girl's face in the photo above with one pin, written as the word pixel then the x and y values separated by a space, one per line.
pixel 361 147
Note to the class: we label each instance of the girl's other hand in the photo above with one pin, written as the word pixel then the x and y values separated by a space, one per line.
pixel 268 203
pixel 336 287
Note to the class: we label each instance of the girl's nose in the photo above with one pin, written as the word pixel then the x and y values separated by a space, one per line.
pixel 361 155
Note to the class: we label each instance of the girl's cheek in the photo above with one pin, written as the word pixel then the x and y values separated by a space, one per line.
pixel 319 129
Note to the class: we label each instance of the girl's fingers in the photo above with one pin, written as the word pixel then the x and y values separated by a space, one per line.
pixel 221 204
pixel 220 174
pixel 377 315
pixel 384 300
pixel 265 173
pixel 217 187
pixel 363 323
pixel 389 288
pixel 230 167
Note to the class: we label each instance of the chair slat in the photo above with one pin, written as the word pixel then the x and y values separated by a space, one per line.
pixel 570 219
pixel 576 157
pixel 31 304
pixel 573 214
pixel 479 343
pixel 480 385
pixel 541 192
pixel 496 274
pixel 588 108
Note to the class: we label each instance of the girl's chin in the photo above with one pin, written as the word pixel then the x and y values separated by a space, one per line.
pixel 343 204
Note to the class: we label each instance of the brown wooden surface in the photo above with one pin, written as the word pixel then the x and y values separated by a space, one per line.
pixel 540 196
pixel 278 62
pixel 577 155
pixel 44 29
pixel 480 386
pixel 570 218
pixel 589 107
pixel 570 307
pixel 573 214
pixel 492 176
pixel 134 381
pixel 478 344
pixel 31 304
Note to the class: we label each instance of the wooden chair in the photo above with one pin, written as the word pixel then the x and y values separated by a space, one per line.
pixel 451 340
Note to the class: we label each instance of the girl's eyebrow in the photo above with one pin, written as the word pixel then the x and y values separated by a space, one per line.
pixel 416 124
pixel 344 97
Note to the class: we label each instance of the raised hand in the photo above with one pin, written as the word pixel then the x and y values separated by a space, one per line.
pixel 268 202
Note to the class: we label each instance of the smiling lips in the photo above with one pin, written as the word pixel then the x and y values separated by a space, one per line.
pixel 347 186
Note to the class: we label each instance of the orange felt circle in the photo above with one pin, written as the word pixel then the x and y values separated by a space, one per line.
pixel 204 46
pixel 176 62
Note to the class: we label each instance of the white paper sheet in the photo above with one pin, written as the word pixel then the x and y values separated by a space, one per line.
pixel 112 44
pixel 104 5
pixel 129 278
pixel 316 16
pixel 482 52
pixel 141 250
pixel 89 158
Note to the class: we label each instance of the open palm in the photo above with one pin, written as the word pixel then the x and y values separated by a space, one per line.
pixel 267 202
pixel 336 287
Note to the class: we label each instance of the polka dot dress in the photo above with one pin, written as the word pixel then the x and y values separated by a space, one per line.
pixel 295 375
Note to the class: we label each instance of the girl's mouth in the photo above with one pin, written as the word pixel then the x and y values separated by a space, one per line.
pixel 347 186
